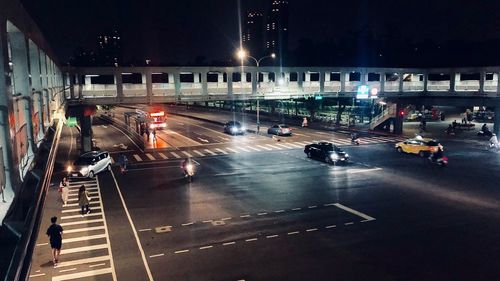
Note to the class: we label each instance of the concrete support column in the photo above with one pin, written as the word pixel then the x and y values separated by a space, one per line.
pixel 496 126
pixel 287 77
pixel 7 172
pixel 322 82
pixel 22 87
pixel 344 77
pixel 86 132
pixel 229 83
pixel 482 80
pixel 177 83
pixel 328 75
pixel 255 79
pixel 46 106
pixel 363 77
pixel 220 77
pixel 88 82
pixel 119 85
pixel 300 82
pixel 170 78
pixel 426 80
pixel 307 76
pixel 204 83
pixel 71 87
pixel 453 81
pixel 78 94
pixel 265 77
pixel 382 82
pixel 398 121
pixel 401 79
pixel 196 78
pixel 147 78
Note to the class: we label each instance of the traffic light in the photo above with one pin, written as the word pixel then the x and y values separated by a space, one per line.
pixel 402 113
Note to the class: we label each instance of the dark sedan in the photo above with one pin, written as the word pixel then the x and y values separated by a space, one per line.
pixel 234 128
pixel 327 152
pixel 280 130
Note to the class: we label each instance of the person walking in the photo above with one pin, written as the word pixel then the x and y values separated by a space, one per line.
pixel 63 189
pixel 83 200
pixel 54 232
pixel 147 133
pixel 122 160
pixel 154 134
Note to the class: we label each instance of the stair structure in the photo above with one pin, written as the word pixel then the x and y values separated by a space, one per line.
pixel 384 116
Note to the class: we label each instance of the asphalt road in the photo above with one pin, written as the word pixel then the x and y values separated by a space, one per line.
pixel 274 214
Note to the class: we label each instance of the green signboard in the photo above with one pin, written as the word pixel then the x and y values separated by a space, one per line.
pixel 71 122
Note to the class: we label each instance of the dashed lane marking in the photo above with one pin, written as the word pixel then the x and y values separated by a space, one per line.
pixel 181 251
pixel 137 157
pixel 330 226
pixel 96 265
pixel 272 236
pixel 157 255
pixel 66 270
pixel 187 224
pixel 228 243
pixel 145 229
pixel 163 156
pixel 244 216
pixel 293 232
pixel 150 156
pixel 206 247
pixel 251 239
pixel 210 152
pixel 221 151
pixel 348 223
pixel 311 229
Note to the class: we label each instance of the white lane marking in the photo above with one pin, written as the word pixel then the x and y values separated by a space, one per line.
pixel 355 171
pixel 145 229
pixel 330 226
pixel 37 275
pixel 296 209
pixel 283 145
pixel 274 147
pixel 77 210
pixel 181 251
pixel 163 156
pixel 83 229
pixel 221 151
pixel 41 244
pixel 83 261
pixel 97 264
pixel 146 265
pixel 244 216
pixel 244 149
pixel 79 216
pixel 272 236
pixel 312 207
pixel 203 140
pixel 199 153
pixel 137 158
pixel 150 156
pixel 329 204
pixel 66 270
pixel 311 229
pixel 175 155
pixel 352 211
pixel 206 247
pixel 208 221
pixel 293 232
pixel 73 194
pixel 157 255
pixel 262 214
pixel 84 249
pixel 348 223
pixel 279 211
pixel 225 219
pixel 186 224
pixel 82 274
pixel 83 238
pixel 80 222
pixel 230 149
pixel 92 198
pixel 251 239
pixel 255 149
pixel 294 145
pixel 228 243
pixel 187 154
pixel 263 147
pixel 210 152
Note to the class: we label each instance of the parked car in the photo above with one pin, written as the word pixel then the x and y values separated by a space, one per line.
pixel 280 130
pixel 234 128
pixel 421 146
pixel 90 164
pixel 327 152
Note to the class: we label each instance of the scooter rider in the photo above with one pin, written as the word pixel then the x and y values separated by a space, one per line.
pixel 438 154
pixel 354 138
pixel 184 165
pixel 494 141
pixel 484 128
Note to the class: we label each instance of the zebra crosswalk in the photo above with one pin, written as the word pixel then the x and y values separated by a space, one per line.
pixel 86 249
pixel 277 146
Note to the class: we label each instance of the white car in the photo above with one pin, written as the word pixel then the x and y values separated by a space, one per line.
pixel 90 164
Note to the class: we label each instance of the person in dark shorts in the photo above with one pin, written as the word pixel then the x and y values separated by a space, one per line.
pixel 55 235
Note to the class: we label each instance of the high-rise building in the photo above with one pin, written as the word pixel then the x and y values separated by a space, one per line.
pixel 277 27
pixel 109 49
pixel 253 33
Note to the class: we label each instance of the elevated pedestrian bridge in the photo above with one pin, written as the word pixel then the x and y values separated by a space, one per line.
pixel 129 85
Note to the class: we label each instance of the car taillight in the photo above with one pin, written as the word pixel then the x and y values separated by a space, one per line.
pixel 445 158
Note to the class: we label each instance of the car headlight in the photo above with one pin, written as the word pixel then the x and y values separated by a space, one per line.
pixel 334 156
pixel 233 129
pixel 84 170
pixel 346 155
pixel 243 129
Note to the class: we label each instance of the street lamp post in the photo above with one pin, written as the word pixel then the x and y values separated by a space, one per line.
pixel 242 54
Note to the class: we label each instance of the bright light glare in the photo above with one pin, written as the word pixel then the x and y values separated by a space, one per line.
pixel 241 54
pixel 273 55
pixel 281 81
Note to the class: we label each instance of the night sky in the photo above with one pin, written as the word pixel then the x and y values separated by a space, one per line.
pixel 179 31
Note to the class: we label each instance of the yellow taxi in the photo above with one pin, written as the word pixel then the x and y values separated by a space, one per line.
pixel 418 145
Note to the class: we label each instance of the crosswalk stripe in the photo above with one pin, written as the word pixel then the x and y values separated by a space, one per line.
pixel 83 238
pixel 272 146
pixel 137 158
pixel 98 202
pixel 82 274
pixel 187 153
pixel 294 145
pixel 266 148
pixel 73 194
pixel 175 155
pixel 76 199
pixel 81 222
pixel 253 148
pixel 78 216
pixel 199 153
pixel 150 156
pixel 283 145
pixel 77 210
pixel 163 156
pixel 209 151
pixel 244 149
pixel 230 149
pixel 83 261
pixel 84 249
pixel 84 229
pixel 221 151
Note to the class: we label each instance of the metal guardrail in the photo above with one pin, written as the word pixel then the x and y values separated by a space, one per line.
pixel 21 260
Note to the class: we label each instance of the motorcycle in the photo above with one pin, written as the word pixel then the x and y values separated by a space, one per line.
pixel 189 172
pixel 355 141
pixel 442 161
pixel 484 134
